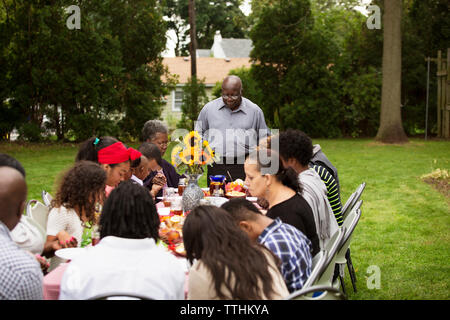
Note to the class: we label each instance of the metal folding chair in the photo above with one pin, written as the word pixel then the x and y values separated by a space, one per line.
pixel 119 296
pixel 326 274
pixel 318 263
pixel 352 200
pixel 343 254
pixel 326 293
pixel 348 205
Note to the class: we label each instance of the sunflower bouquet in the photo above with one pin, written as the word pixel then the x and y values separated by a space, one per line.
pixel 192 153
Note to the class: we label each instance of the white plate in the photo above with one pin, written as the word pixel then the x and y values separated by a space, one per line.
pixel 69 253
pixel 216 201
pixel 164 211
pixel 174 196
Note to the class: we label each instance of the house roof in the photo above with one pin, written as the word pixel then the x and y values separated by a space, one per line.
pixel 203 53
pixel 236 48
pixel 212 69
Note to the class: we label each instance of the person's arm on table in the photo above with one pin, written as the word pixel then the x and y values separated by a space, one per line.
pixel 60 241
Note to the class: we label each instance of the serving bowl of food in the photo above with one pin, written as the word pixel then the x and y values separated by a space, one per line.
pixel 235 194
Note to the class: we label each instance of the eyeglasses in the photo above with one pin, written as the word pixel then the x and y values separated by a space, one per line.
pixel 230 97
pixel 162 144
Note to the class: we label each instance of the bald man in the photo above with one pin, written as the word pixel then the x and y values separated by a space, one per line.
pixel 233 126
pixel 20 274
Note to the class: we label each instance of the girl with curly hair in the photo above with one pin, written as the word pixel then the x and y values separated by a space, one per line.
pixel 74 205
pixel 227 264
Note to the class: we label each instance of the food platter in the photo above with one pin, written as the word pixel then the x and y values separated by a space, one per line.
pixel 171 233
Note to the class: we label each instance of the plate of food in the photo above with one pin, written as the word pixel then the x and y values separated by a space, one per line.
pixel 216 201
pixel 165 211
pixel 69 253
pixel 236 185
pixel 235 194
pixel 178 249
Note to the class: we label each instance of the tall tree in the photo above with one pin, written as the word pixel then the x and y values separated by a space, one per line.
pixel 191 106
pixel 193 36
pixel 175 23
pixel 193 49
pixel 211 16
pixel 83 80
pixel 391 128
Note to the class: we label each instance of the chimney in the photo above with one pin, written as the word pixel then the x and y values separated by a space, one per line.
pixel 217 37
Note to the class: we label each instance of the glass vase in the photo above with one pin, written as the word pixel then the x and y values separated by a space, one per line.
pixel 193 193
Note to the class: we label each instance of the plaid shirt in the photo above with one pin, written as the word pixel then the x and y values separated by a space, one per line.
pixel 294 250
pixel 20 274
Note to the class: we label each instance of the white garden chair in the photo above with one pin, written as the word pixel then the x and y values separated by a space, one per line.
pixel 38 212
pixel 318 293
pixel 343 254
pixel 46 198
pixel 326 274
pixel 352 200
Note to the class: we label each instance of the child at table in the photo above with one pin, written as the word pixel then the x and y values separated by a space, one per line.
pixel 74 206
pixel 112 155
pixel 140 169
pixel 155 180
pixel 127 260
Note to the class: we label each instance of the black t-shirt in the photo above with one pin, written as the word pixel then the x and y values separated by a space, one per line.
pixel 297 212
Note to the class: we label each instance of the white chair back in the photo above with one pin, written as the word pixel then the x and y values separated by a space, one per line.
pixel 359 191
pixel 38 212
pixel 318 263
pixel 46 198
pixel 355 207
pixel 41 230
pixel 326 293
pixel 352 200
pixel 29 235
pixel 332 246
pixel 349 224
pixel 348 205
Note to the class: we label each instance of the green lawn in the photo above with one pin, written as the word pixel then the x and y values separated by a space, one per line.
pixel 405 223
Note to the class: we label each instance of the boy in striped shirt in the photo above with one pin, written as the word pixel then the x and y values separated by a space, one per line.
pixel 333 194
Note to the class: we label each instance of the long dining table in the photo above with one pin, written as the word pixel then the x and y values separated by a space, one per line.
pixel 52 281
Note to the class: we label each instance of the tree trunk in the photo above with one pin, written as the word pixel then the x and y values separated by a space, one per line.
pixel 193 51
pixel 391 128
pixel 193 35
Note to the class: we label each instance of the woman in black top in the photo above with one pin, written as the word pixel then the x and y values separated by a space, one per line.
pixel 281 188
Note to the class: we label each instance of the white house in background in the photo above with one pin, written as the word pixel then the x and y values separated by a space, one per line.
pixel 213 65
pixel 227 48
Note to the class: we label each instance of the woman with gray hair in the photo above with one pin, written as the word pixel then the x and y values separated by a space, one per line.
pixel 156 132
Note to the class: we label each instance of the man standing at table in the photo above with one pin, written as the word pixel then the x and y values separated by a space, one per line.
pixel 233 126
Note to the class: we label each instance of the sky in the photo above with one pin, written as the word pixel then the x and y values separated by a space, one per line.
pixel 246 9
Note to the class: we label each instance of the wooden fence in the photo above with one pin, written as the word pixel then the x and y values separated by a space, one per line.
pixel 443 95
